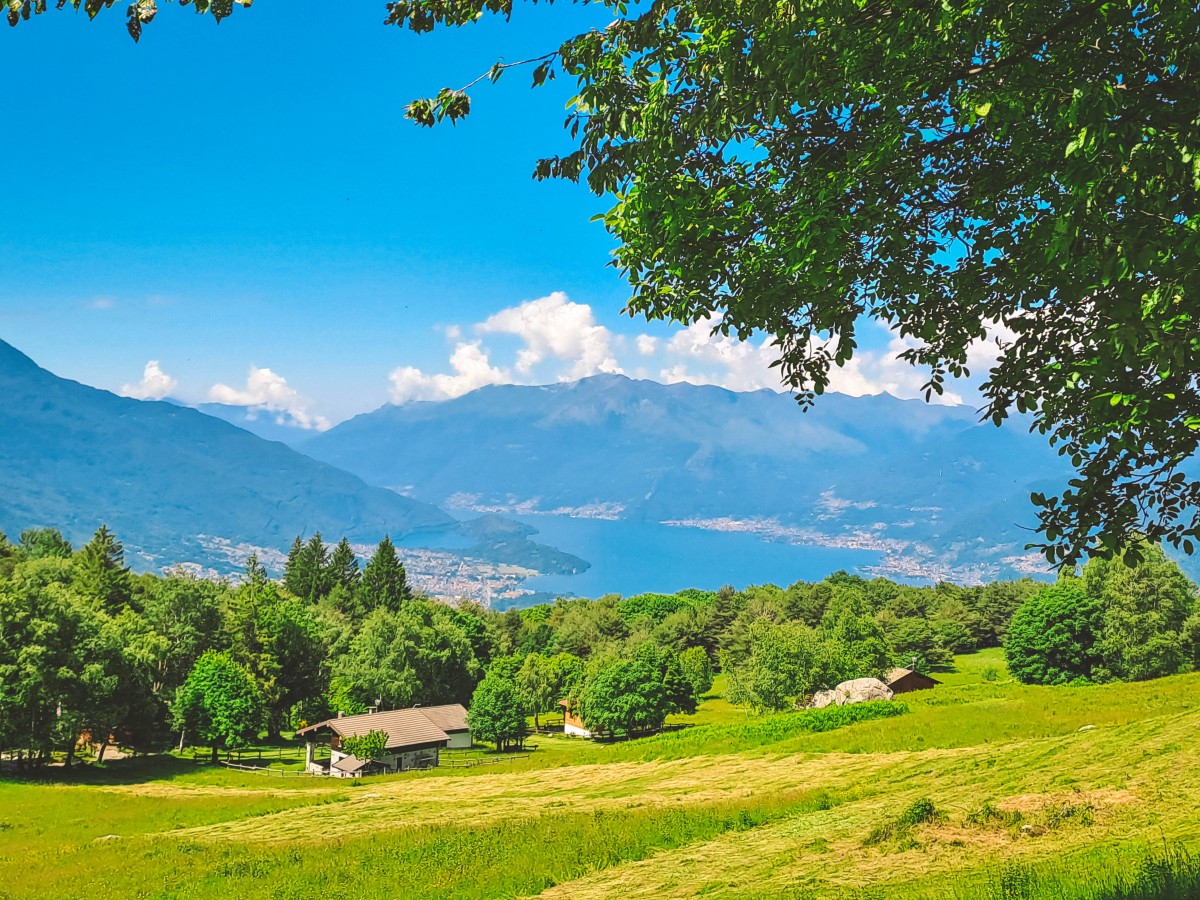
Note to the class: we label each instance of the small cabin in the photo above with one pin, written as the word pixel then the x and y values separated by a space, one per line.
pixel 904 681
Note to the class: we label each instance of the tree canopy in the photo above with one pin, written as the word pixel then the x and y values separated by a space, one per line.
pixel 1006 187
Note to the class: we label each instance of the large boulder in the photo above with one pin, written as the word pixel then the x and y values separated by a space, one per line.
pixel 860 690
pixel 822 699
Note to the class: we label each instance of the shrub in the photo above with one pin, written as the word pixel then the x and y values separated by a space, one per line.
pixel 1052 637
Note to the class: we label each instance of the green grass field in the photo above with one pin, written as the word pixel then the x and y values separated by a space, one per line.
pixel 975 789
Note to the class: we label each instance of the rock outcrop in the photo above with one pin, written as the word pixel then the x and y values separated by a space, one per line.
pixel 860 690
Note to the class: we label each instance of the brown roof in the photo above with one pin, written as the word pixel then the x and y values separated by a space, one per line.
pixel 404 727
pixel 351 764
pixel 449 717
pixel 896 674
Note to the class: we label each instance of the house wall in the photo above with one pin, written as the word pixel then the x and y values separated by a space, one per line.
pixel 573 725
pixel 460 740
pixel 394 762
pixel 913 681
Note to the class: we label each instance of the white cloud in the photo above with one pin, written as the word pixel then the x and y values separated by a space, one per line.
pixel 556 328
pixel 101 303
pixel 697 356
pixel 472 370
pixel 560 340
pixel 265 391
pixel 155 384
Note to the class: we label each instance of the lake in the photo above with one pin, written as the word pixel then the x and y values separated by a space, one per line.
pixel 630 557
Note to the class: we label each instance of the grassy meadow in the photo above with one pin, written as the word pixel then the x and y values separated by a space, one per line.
pixel 979 788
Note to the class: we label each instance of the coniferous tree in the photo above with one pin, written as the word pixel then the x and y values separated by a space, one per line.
pixel 101 571
pixel 343 567
pixel 39 543
pixel 316 568
pixel 384 582
pixel 292 575
pixel 256 574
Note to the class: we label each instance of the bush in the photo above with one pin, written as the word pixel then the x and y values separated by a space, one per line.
pixel 1052 637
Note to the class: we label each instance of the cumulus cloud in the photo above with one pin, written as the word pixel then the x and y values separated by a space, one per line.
pixel 558 339
pixel 471 370
pixel 155 384
pixel 556 328
pixel 268 392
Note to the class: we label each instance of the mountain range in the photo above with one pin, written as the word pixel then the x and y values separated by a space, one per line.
pixel 176 485
pixel 928 486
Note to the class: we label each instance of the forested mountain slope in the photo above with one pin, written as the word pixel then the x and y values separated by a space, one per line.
pixel 176 485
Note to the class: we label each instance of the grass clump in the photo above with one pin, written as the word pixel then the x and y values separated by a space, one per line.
pixel 899 831
pixel 992 817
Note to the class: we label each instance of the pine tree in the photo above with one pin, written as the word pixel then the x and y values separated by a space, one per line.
pixel 343 567
pixel 316 570
pixel 384 581
pixel 292 576
pixel 101 571
pixel 256 574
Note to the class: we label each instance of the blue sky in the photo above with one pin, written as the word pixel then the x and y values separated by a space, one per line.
pixel 246 206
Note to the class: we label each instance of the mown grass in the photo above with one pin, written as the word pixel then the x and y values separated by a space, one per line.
pixel 1011 799
pixel 506 858
pixel 1136 872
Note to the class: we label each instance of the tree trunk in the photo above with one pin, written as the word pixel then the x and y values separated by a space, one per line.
pixel 100 755
pixel 182 732
pixel 215 755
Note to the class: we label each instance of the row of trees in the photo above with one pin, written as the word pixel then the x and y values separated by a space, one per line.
pixel 618 691
pixel 1115 622
pixel 86 646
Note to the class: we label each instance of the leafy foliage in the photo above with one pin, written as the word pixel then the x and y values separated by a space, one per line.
pixel 372 745
pixel 1052 636
pixel 496 713
pixel 1122 620
pixel 219 703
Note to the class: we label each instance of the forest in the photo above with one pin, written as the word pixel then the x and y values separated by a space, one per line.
pixel 89 648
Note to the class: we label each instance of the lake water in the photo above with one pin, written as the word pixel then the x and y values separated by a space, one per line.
pixel 635 557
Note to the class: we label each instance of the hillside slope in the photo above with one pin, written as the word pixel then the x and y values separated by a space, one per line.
pixel 1055 792
pixel 175 485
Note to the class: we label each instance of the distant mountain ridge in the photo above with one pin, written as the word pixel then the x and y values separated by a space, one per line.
pixel 173 483
pixel 928 485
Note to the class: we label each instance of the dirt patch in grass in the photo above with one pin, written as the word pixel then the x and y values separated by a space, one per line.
pixel 1034 804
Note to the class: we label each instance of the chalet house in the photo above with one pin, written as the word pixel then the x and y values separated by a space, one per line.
pixel 415 738
pixel 903 681
pixel 572 724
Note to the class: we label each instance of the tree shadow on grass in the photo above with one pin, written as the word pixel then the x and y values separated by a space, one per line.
pixel 158 767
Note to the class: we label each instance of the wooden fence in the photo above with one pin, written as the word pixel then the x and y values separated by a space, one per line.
pixel 478 761
pixel 265 770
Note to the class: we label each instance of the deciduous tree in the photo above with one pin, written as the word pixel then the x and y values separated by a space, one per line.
pixel 219 703
pixel 497 713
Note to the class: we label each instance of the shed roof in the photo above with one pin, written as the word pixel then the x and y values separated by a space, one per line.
pixel 896 674
pixel 449 717
pixel 351 764
pixel 404 727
